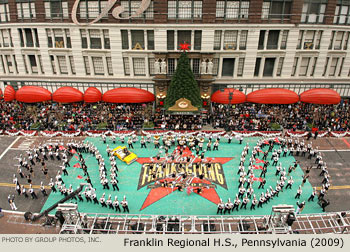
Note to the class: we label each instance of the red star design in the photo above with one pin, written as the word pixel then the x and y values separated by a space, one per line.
pixel 185 46
pixel 160 192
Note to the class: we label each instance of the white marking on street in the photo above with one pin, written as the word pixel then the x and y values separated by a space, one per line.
pixel 25 145
pixel 10 146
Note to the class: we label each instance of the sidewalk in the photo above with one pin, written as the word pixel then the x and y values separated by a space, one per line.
pixel 12 223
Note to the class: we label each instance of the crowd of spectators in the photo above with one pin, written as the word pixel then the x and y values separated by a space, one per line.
pixel 108 116
pixel 300 116
pixel 162 120
pixel 74 116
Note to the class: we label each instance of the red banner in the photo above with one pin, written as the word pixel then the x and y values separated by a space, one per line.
pixel 77 165
pixel 257 167
pixel 259 161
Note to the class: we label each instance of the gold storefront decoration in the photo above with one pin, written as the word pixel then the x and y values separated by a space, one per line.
pixel 59 44
pixel 138 47
pixel 183 104
pixel 230 46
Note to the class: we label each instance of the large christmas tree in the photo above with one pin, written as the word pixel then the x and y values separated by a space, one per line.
pixel 183 84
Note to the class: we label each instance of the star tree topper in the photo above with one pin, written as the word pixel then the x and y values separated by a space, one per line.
pixel 185 46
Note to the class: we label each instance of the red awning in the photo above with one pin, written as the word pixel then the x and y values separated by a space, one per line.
pixel 273 96
pixel 320 96
pixel 67 95
pixel 92 94
pixel 224 97
pixel 33 94
pixel 128 95
pixel 9 93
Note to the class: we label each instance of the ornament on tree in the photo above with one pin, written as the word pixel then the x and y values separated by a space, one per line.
pixel 185 46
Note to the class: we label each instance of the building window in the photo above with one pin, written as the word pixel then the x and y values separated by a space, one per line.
pixel 341 15
pixel 217 40
pixel 183 37
pixel 228 65
pixel 184 9
pixel 2 64
pixel 9 63
pixel 91 9
pixel 341 66
pixel 195 66
pixel 150 40
pixel 232 9
pixel 313 66
pixel 95 39
pixel 109 65
pixel 284 39
pixel 261 43
pixel 304 65
pixel 6 38
pixel 309 40
pixel 139 66
pixel 325 67
pixel 125 39
pixel 336 40
pixel 280 66
pixel 313 11
pixel 126 66
pixel 40 63
pixel 171 66
pixel 26 10
pixel 98 65
pixel 243 40
pixel 215 66
pixel 230 40
pixel 59 38
pixel 331 41
pixel 68 40
pixel 295 64
pixel 272 39
pixel 130 8
pixel 4 12
pixel 151 66
pixel 53 64
pixel 87 65
pixel 83 36
pixel 346 41
pixel 197 40
pixel 197 9
pixel 240 67
pixel 107 42
pixel 170 40
pixel 318 39
pixel 137 40
pixel 276 9
pixel 56 9
pixel 257 67
pixel 62 63
pixel 72 64
pixel 269 66
pixel 58 35
pixel 32 63
pixel 333 66
pixel 28 37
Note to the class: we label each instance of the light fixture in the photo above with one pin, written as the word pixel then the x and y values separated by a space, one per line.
pixel 161 96
pixel 205 96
